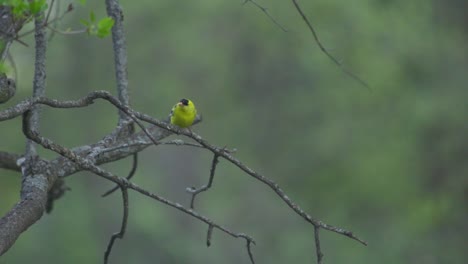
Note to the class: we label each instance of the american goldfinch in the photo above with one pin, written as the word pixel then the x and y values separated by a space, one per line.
pixel 183 113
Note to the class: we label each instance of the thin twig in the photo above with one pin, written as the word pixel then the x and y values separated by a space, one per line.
pixel 9 39
pixel 26 105
pixel 249 250
pixel 123 227
pixel 6 48
pixel 55 23
pixel 179 142
pixel 89 166
pixel 48 12
pixel 175 142
pixel 69 9
pixel 226 155
pixel 317 245
pixel 68 32
pixel 273 185
pixel 209 235
pixel 325 51
pixel 129 176
pixel 195 191
pixel 265 10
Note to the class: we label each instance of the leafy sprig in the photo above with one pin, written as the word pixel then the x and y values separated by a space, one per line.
pixel 101 28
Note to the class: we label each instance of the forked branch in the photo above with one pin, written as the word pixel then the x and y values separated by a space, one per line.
pixel 86 164
pixel 123 227
pixel 129 176
pixel 221 152
pixel 324 50
pixel 195 191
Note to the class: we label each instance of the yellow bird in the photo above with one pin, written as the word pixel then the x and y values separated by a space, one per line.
pixel 183 113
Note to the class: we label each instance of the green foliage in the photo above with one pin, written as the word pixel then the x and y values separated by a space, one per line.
pixel 82 2
pixel 92 17
pixel 18 7
pixel 25 8
pixel 4 68
pixel 101 29
pixel 104 27
pixel 37 6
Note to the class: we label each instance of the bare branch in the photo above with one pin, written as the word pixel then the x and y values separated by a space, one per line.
pixel 36 182
pixel 325 51
pixel 195 191
pixel 274 186
pixel 6 49
pixel 194 214
pixel 317 245
pixel 24 106
pixel 68 32
pixel 129 176
pixel 9 161
pixel 49 11
pixel 209 235
pixel 39 81
pixel 124 183
pixel 176 142
pixel 120 53
pixel 57 13
pixel 265 10
pixel 222 152
pixel 179 142
pixel 123 227
pixel 40 186
pixel 249 250
pixel 26 212
pixel 105 151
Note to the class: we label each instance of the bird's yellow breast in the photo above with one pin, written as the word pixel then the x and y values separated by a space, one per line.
pixel 183 116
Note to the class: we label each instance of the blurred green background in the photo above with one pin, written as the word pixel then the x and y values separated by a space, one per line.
pixel 390 165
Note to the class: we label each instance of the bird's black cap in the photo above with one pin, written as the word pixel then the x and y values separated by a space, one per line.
pixel 184 101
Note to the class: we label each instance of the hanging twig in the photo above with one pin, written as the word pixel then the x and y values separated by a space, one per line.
pixel 195 191
pixel 265 10
pixel 129 176
pixel 325 51
pixel 123 227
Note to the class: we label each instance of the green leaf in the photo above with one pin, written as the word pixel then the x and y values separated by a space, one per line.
pixel 37 6
pixel 104 27
pixel 82 2
pixel 92 17
pixel 86 23
pixel 19 7
pixel 4 69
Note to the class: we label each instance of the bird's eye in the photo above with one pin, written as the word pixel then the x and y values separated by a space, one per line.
pixel 184 101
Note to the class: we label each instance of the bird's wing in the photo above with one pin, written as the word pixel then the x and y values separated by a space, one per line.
pixel 172 110
pixel 199 117
pixel 168 119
